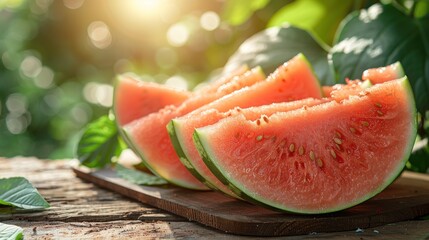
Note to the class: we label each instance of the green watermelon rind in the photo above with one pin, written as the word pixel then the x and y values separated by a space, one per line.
pixel 305 59
pixel 129 140
pixel 177 147
pixel 171 126
pixel 400 73
pixel 175 140
pixel 399 70
pixel 180 150
pixel 123 133
pixel 200 141
pixel 126 136
pixel 119 127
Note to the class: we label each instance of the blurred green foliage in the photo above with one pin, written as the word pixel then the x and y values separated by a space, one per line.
pixel 57 62
pixel 58 58
pixel 238 11
pixel 315 16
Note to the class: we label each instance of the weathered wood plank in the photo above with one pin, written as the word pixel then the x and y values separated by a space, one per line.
pixel 81 210
pixel 404 200
pixel 73 199
pixel 186 230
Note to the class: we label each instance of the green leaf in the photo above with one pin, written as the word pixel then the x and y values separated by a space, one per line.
pixel 18 192
pixel 382 35
pixel 274 46
pixel 419 159
pixel 99 143
pixel 238 11
pixel 421 8
pixel 10 4
pixel 319 17
pixel 10 232
pixel 426 124
pixel 138 177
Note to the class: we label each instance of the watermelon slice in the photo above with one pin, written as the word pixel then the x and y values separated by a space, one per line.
pixel 135 99
pixel 384 74
pixel 224 83
pixel 317 159
pixel 369 77
pixel 342 91
pixel 183 128
pixel 291 81
pixel 148 136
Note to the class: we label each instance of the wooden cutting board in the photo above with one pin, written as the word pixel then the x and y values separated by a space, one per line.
pixel 405 199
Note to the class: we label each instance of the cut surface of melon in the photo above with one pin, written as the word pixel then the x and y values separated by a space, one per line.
pixel 292 81
pixel 134 98
pixel 148 136
pixel 320 159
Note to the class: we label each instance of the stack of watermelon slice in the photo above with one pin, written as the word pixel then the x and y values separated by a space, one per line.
pixel 282 141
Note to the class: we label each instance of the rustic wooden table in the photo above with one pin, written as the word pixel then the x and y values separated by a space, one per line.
pixel 80 210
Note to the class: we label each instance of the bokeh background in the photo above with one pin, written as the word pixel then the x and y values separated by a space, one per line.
pixel 59 58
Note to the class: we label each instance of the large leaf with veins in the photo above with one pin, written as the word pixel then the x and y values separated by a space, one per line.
pixel 379 36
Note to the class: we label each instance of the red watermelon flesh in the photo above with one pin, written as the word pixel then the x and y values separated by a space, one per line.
pixel 319 159
pixel 384 74
pixel 182 128
pixel 369 77
pixel 342 91
pixel 222 83
pixel 291 81
pixel 149 138
pixel 135 98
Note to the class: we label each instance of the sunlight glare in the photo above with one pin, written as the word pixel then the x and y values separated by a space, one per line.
pixel 17 103
pixel 98 93
pixel 209 21
pixel 45 78
pixel 31 66
pixel 99 34
pixel 73 4
pixel 16 124
pixel 143 8
pixel 177 35
pixel 177 82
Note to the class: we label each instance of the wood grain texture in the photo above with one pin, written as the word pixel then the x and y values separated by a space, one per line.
pixel 406 199
pixel 81 210
pixel 70 198
pixel 188 230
